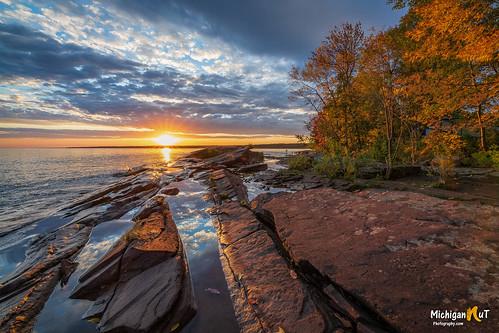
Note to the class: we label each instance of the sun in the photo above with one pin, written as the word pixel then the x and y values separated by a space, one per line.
pixel 166 140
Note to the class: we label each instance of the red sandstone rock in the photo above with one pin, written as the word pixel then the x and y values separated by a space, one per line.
pixel 253 168
pixel 265 293
pixel 401 254
pixel 225 185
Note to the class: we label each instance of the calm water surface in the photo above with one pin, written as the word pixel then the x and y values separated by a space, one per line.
pixel 37 182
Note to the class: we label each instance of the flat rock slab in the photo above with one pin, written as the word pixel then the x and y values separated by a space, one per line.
pixel 399 254
pixel 142 284
pixel 266 293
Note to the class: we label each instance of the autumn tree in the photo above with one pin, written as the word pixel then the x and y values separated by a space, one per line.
pixel 456 45
pixel 327 84
pixel 377 79
pixel 416 89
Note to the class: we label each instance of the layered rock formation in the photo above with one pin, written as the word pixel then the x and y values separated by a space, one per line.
pixel 49 260
pixel 142 284
pixel 316 260
pixel 217 157
pixel 322 260
pixel 50 257
pixel 400 253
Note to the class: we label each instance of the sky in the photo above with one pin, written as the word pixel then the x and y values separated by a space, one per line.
pixel 90 73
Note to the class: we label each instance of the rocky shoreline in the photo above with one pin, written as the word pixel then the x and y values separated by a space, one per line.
pixel 324 256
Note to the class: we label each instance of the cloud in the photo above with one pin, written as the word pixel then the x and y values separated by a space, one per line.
pixel 55 81
pixel 290 28
pixel 71 126
pixel 214 69
pixel 28 53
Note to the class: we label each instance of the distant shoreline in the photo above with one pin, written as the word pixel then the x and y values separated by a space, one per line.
pixel 268 146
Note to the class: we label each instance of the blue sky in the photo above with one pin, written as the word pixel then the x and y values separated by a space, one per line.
pixel 131 70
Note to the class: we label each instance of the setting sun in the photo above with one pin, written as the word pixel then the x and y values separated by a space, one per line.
pixel 166 140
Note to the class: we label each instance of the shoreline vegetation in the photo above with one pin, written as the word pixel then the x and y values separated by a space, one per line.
pixel 422 92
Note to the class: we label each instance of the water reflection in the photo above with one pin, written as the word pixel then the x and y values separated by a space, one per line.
pixel 62 314
pixel 166 154
pixel 215 312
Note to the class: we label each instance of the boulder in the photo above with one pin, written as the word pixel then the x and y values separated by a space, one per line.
pixel 378 170
pixel 401 171
pixel 391 256
pixel 169 191
pixel 209 152
pixel 216 157
pixel 142 284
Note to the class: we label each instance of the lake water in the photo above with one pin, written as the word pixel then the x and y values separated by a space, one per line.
pixel 36 182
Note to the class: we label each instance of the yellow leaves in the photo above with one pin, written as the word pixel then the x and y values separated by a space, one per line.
pixel 454 30
pixel 444 143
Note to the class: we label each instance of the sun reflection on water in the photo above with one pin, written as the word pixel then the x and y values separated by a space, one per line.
pixel 166 154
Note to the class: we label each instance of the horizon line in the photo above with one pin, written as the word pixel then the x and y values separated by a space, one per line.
pixel 277 145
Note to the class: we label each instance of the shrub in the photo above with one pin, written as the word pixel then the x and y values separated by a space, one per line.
pixel 495 158
pixel 482 159
pixel 349 167
pixel 300 162
pixel 486 159
pixel 336 165
pixel 329 166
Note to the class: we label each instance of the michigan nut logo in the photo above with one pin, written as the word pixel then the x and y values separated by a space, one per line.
pixel 458 318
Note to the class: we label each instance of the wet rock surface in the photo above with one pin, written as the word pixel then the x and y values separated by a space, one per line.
pixel 267 296
pixel 226 185
pixel 48 262
pixel 49 257
pixel 142 284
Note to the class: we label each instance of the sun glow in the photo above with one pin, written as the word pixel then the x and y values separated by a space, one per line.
pixel 166 140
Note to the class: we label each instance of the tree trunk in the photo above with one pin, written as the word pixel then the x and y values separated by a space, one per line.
pixel 483 146
pixel 389 138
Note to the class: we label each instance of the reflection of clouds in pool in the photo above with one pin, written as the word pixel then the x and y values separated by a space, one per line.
pixel 93 251
pixel 189 209
pixel 203 235
pixel 189 226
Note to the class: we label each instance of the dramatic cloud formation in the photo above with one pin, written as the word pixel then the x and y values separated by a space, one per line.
pixel 133 69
